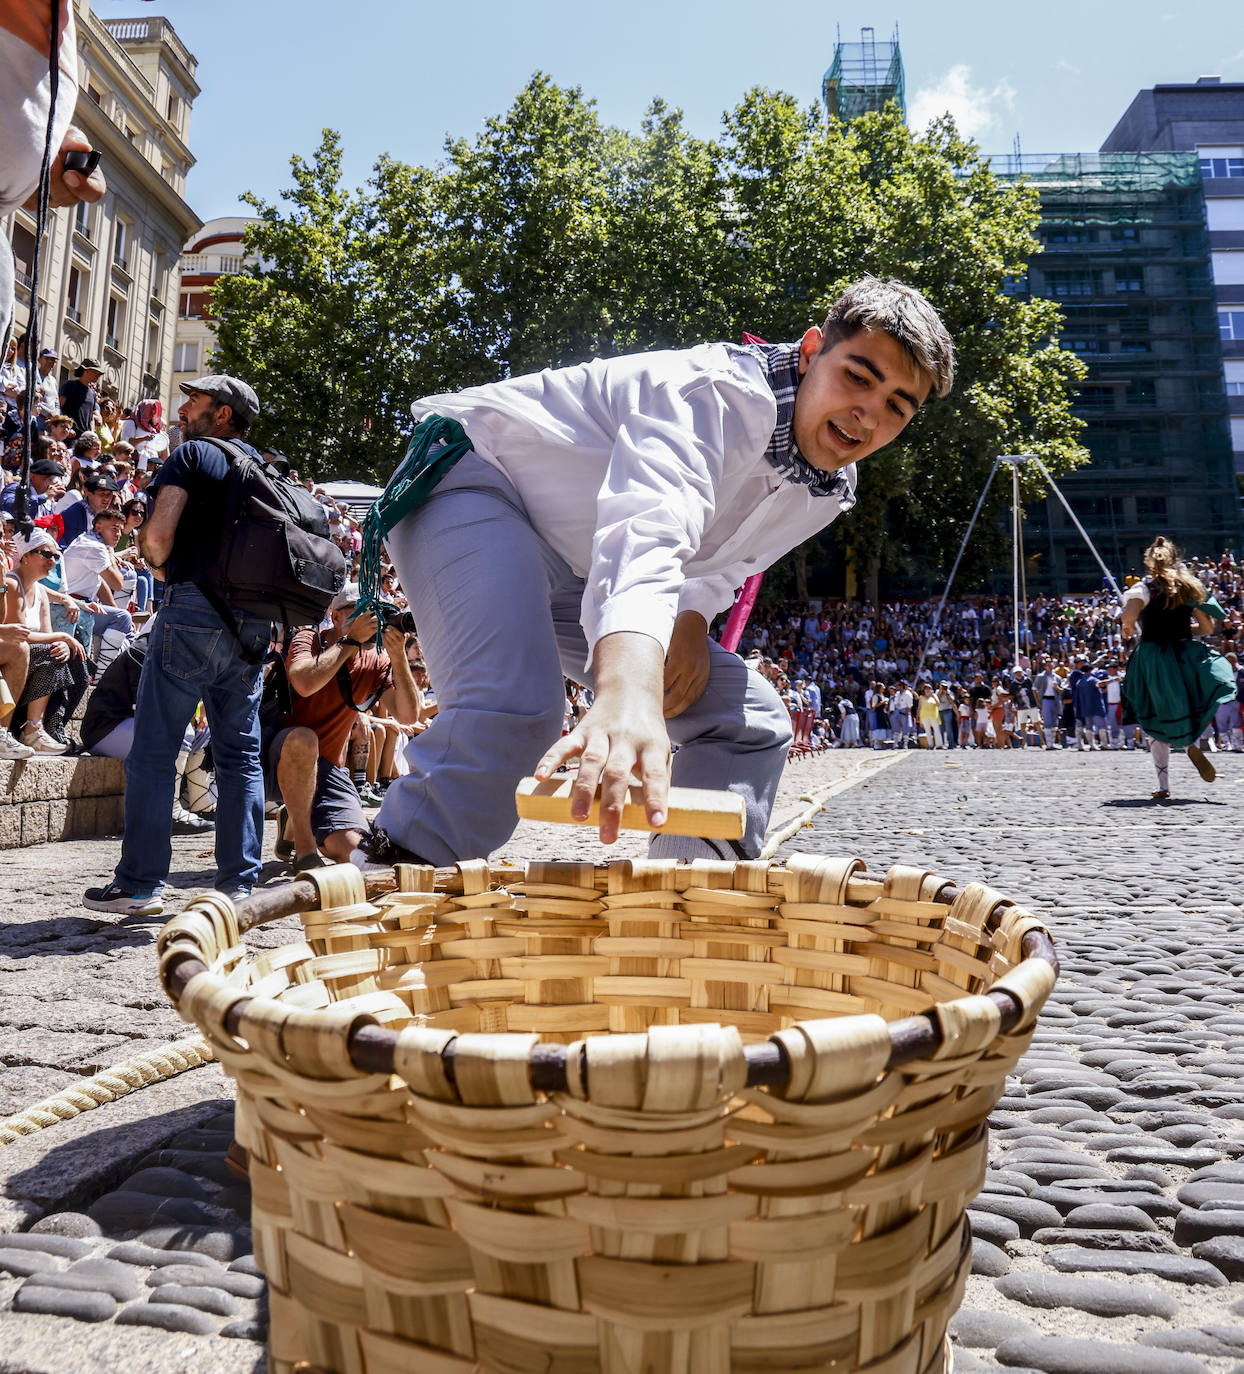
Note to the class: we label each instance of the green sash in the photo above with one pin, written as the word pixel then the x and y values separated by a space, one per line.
pixel 410 486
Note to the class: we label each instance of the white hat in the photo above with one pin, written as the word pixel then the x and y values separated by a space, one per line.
pixel 38 538
pixel 347 596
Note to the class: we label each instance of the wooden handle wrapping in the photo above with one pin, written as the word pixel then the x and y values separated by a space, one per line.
pixel 690 811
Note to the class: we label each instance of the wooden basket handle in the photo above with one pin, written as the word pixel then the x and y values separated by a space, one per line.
pixel 691 810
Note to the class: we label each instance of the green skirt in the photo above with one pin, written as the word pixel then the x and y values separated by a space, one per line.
pixel 1172 690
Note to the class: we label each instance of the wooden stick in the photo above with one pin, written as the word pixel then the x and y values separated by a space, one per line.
pixel 691 810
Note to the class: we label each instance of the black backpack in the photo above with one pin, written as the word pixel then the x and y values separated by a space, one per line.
pixel 277 560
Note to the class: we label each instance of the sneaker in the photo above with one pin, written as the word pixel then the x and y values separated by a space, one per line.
pixel 1202 765
pixel 370 795
pixel 38 741
pixel 12 749
pixel 114 898
pixel 187 823
pixel 235 894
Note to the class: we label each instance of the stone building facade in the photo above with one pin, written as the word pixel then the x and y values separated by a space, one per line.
pixel 109 274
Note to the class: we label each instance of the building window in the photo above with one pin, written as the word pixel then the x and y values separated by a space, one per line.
pixel 121 246
pixel 1129 279
pixel 24 250
pixel 1213 168
pixel 1082 345
pixel 1151 508
pixel 186 357
pixel 1141 393
pixel 82 219
pixel 1068 236
pixel 1231 324
pixel 1123 233
pixel 1071 283
pixel 1235 388
pixel 93 94
pixel 1133 346
pixel 174 109
pixel 75 295
pixel 1095 398
pixel 115 326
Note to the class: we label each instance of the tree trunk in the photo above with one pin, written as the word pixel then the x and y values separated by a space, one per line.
pixel 872 579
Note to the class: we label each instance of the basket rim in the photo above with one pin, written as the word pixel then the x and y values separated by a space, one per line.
pixel 370 1047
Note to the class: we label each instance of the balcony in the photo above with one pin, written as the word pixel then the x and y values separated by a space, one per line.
pixel 73 315
pixel 210 264
pixel 110 341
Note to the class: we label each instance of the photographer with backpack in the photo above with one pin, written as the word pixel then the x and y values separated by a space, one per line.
pixel 221 518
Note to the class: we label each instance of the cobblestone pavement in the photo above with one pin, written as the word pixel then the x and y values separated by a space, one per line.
pixel 1110 1236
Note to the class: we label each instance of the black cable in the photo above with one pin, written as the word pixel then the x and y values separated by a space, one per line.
pixel 21 498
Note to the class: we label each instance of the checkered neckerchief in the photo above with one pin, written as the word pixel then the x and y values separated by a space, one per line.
pixel 781 365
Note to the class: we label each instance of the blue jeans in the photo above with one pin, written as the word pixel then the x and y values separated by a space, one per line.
pixel 142 588
pixel 193 656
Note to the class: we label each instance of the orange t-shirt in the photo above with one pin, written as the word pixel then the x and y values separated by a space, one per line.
pixel 326 711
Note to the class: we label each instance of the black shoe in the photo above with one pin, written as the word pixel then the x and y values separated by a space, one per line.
pixel 284 848
pixel 114 898
pixel 379 849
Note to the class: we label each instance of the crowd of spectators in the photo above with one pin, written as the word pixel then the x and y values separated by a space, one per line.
pixel 900 675
pixel 88 499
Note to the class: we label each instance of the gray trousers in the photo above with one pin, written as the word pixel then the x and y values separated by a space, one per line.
pixel 498 616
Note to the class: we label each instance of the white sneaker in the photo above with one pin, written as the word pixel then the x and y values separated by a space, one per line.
pixel 38 741
pixel 11 749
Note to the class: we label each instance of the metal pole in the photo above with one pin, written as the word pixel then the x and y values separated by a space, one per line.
pixel 1015 556
pixel 1114 586
pixel 941 605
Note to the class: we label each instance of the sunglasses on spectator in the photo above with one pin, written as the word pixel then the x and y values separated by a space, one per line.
pixel 46 553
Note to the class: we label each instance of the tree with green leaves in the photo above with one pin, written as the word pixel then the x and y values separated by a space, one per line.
pixel 550 238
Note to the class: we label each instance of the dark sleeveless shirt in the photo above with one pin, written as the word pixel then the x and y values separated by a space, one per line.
pixel 1164 622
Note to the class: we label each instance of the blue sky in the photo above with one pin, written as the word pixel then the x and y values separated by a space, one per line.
pixel 397 76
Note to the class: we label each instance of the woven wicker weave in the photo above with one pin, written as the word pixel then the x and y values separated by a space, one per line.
pixel 655 1213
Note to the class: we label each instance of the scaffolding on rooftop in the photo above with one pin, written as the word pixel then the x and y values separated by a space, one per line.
pixel 864 76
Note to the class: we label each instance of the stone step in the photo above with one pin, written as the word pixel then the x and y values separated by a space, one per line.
pixel 44 799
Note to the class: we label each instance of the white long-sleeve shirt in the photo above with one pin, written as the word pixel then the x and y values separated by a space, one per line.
pixel 648 475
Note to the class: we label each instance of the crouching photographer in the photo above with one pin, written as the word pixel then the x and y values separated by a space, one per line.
pixel 334 674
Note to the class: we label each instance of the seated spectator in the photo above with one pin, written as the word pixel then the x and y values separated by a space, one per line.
pixel 48 650
pixel 93 574
pixel 108 725
pixel 145 430
pixel 332 676
pixel 47 484
pixel 98 494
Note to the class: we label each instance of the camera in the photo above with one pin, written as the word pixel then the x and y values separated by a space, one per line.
pixel 399 620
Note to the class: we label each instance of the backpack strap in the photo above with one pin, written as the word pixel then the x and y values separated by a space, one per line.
pixel 345 686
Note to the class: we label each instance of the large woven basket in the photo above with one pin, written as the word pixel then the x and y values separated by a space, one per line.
pixel 639 1117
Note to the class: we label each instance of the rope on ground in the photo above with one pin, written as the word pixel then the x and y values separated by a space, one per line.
pixel 152 1066
pixel 818 798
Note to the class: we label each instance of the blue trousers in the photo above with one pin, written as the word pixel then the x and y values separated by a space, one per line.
pixel 498 616
pixel 193 656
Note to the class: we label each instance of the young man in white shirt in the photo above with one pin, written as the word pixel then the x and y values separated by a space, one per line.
pixel 606 514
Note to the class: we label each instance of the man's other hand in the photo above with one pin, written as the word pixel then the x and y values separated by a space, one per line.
pixel 686 664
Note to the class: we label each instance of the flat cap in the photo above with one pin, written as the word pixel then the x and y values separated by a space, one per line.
pixel 45 467
pixel 229 391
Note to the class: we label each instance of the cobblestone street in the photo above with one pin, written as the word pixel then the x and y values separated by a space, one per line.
pixel 1110 1236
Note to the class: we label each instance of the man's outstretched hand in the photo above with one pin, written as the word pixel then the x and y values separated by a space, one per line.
pixel 622 735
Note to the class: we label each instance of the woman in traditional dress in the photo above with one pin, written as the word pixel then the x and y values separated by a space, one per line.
pixel 1173 684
